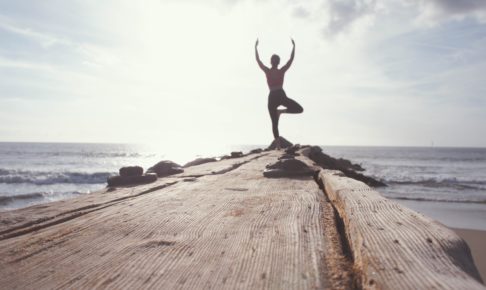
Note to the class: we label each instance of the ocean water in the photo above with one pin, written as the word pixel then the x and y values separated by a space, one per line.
pixel 32 173
pixel 446 184
pixel 423 173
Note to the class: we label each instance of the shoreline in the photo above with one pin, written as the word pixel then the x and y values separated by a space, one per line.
pixel 467 220
pixel 475 240
pixel 457 215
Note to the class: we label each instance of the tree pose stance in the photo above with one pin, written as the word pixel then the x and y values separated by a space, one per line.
pixel 277 96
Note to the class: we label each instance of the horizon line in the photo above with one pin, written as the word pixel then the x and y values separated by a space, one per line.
pixel 256 145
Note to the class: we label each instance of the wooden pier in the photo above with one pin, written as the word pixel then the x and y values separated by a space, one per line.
pixel 222 225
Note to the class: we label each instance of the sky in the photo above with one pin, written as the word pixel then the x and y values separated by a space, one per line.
pixel 172 72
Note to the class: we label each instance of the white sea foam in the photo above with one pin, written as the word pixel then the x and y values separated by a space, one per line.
pixel 44 178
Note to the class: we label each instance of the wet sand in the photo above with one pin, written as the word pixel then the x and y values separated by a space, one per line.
pixel 455 215
pixel 476 240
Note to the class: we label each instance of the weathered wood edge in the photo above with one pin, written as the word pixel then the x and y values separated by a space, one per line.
pixel 394 247
pixel 32 218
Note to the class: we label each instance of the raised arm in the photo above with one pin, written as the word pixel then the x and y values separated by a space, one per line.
pixel 289 63
pixel 260 64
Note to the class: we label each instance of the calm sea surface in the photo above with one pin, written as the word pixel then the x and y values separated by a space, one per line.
pixel 32 173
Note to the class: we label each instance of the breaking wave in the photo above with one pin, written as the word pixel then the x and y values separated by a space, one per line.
pixel 47 178
pixel 438 199
pixel 6 200
pixel 442 182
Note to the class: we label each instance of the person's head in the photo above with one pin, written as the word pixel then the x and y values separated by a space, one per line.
pixel 275 60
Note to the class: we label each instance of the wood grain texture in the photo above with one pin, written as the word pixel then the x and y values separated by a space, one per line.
pixel 227 229
pixel 46 213
pixel 395 247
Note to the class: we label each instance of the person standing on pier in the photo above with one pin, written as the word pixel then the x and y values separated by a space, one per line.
pixel 277 96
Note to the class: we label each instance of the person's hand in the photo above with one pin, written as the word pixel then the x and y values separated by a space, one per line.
pixel 256 43
pixel 293 42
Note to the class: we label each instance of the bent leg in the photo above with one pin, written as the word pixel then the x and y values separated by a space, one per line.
pixel 292 106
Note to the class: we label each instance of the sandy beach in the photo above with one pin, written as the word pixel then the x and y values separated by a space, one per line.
pixel 466 219
pixel 476 240
pixel 455 215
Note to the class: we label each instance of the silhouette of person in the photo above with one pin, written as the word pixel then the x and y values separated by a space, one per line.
pixel 277 96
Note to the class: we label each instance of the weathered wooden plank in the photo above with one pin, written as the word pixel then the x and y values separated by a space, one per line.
pixel 395 247
pixel 219 167
pixel 234 230
pixel 38 215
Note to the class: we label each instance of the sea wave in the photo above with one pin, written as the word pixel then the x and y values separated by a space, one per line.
pixel 6 200
pixel 438 199
pixel 47 178
pixel 453 182
pixel 83 154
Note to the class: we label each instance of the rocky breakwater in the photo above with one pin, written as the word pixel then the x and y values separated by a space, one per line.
pixel 131 175
pixel 345 166
pixel 199 161
pixel 325 161
pixel 165 168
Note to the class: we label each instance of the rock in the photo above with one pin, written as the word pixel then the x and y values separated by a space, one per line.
pixel 286 156
pixel 130 180
pixel 366 179
pixel 292 150
pixel 328 162
pixel 346 163
pixel 199 161
pixel 289 167
pixel 165 168
pixel 236 154
pixel 345 166
pixel 131 171
pixel 289 164
pixel 284 143
pixel 256 151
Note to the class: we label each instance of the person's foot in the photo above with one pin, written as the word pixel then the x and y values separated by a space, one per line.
pixel 280 112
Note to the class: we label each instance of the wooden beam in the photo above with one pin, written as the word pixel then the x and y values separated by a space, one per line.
pixel 394 247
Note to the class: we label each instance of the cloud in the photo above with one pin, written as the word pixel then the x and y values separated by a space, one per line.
pixel 452 7
pixel 300 12
pixel 60 47
pixel 43 39
pixel 342 15
pixel 175 57
pixel 437 11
